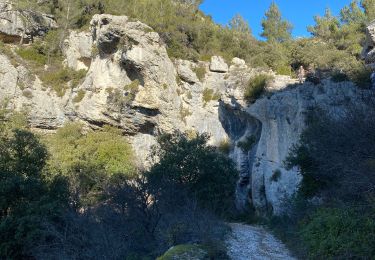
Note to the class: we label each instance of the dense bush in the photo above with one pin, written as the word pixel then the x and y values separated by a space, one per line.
pixel 189 165
pixel 256 87
pixel 340 233
pixel 28 199
pixel 90 161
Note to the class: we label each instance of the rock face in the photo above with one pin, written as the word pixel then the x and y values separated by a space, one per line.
pixel 274 124
pixel 218 64
pixel 78 48
pixel 132 84
pixel 22 25
pixel 368 52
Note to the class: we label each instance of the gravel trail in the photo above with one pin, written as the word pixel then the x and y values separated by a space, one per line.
pixel 255 243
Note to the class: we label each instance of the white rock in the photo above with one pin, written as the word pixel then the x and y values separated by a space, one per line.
pixel 368 52
pixel 78 50
pixel 218 64
pixel 184 70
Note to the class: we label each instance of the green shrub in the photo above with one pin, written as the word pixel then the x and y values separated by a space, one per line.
pixel 80 95
pixel 284 70
pixel 185 252
pixel 334 233
pixel 209 94
pixel 184 113
pixel 200 71
pixel 276 175
pixel 247 144
pixel 225 146
pixel 133 86
pixel 339 76
pixel 90 161
pixel 60 78
pixel 34 54
pixel 360 75
pixel 190 165
pixel 256 87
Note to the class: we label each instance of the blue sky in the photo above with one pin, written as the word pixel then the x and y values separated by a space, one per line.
pixel 299 12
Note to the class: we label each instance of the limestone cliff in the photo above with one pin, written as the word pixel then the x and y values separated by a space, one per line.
pixel 132 84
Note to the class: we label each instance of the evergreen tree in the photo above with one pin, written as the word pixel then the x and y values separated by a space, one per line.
pixel 326 27
pixel 369 7
pixel 275 29
pixel 238 23
pixel 352 14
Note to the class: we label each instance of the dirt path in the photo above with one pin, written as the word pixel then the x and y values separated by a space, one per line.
pixel 255 243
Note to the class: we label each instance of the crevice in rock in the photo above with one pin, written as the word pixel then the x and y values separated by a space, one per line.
pixel 240 126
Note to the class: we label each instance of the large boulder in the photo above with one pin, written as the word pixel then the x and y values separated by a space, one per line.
pixel 218 64
pixel 22 25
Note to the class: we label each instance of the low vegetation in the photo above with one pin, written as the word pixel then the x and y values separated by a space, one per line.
pixel 247 144
pixel 79 96
pixel 200 71
pixel 62 79
pixel 256 87
pixel 210 95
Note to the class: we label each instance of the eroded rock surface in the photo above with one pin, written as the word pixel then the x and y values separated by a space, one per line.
pixel 368 52
pixel 22 25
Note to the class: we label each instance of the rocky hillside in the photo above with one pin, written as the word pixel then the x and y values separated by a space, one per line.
pixel 131 83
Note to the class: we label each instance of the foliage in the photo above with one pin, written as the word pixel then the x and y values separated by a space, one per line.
pixel 192 166
pixel 247 144
pixel 90 161
pixel 326 27
pixel 33 54
pixel 59 80
pixel 27 198
pixel 276 175
pixel 225 146
pixel 200 71
pixel 238 23
pixel 185 252
pixel 342 138
pixel 256 87
pixel 209 95
pixel 339 233
pixel 274 28
pixel 80 95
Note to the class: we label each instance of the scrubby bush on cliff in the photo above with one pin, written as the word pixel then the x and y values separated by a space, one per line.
pixel 91 161
pixel 256 87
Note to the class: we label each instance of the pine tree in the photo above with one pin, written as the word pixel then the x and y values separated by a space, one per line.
pixel 369 6
pixel 326 27
pixel 275 29
pixel 238 23
pixel 352 14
